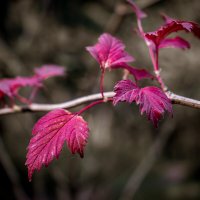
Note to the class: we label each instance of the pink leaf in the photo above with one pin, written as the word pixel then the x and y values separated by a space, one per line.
pixel 140 74
pixel 109 51
pixel 5 88
pixel 137 73
pixel 176 42
pixel 154 103
pixel 47 71
pixel 10 86
pixel 139 13
pixel 151 100
pixel 125 90
pixel 172 26
pixel 31 81
pixel 49 135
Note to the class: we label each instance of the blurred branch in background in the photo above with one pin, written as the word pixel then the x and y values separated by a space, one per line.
pixel 12 173
pixel 121 10
pixel 8 57
pixel 146 164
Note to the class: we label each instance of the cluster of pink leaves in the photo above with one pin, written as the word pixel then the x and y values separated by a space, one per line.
pixel 59 126
pixel 152 100
pixel 159 39
pixel 10 86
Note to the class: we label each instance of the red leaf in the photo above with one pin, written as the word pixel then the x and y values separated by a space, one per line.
pixel 47 71
pixel 125 90
pixel 172 26
pixel 176 42
pixel 137 73
pixel 49 135
pixel 151 100
pixel 154 103
pixel 140 74
pixel 5 88
pixel 109 51
pixel 10 86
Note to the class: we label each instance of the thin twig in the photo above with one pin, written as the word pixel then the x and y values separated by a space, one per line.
pixel 176 99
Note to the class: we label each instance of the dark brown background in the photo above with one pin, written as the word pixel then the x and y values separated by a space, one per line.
pixel 33 33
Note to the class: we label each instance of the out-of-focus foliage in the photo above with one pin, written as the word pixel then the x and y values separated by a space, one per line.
pixel 33 33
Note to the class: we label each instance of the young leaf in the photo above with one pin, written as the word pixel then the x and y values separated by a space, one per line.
pixel 125 90
pixel 109 51
pixel 172 26
pixel 47 71
pixel 154 103
pixel 140 74
pixel 176 42
pixel 137 73
pixel 151 100
pixel 5 89
pixel 10 86
pixel 49 135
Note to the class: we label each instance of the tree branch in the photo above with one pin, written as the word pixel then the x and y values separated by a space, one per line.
pixel 184 101
pixel 34 107
pixel 176 99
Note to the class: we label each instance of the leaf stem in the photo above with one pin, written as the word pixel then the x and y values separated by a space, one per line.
pixel 157 70
pixel 93 104
pixel 154 55
pixel 102 82
pixel 90 106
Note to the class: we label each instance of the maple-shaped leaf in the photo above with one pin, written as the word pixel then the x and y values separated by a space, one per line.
pixel 151 100
pixel 49 135
pixel 47 71
pixel 109 51
pixel 125 90
pixel 176 42
pixel 172 26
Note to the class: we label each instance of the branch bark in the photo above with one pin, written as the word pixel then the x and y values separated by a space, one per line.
pixel 176 99
pixel 184 101
pixel 34 107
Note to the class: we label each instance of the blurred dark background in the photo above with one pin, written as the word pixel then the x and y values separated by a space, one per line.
pixel 33 33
